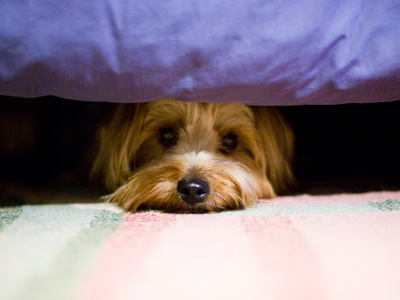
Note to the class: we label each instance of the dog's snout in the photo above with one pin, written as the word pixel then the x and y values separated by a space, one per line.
pixel 193 190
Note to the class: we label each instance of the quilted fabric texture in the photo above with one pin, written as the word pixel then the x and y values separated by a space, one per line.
pixel 256 52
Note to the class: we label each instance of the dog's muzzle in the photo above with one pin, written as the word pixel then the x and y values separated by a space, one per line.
pixel 193 190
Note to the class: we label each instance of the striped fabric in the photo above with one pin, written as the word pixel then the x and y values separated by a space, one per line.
pixel 303 247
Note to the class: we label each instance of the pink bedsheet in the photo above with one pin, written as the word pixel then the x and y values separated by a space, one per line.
pixel 333 247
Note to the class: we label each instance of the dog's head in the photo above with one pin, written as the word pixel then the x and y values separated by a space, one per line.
pixel 194 157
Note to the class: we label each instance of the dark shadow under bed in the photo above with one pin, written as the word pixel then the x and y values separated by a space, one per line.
pixel 47 146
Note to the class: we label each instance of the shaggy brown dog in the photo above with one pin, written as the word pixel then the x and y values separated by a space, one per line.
pixel 194 157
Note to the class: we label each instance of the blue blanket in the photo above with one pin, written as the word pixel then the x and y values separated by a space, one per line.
pixel 252 51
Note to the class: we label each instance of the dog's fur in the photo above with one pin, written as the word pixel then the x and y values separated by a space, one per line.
pixel 242 152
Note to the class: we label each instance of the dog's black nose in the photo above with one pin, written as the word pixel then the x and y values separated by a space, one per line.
pixel 193 190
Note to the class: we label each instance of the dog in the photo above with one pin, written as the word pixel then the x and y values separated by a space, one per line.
pixel 187 157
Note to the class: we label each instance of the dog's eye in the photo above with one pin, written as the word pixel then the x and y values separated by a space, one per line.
pixel 229 142
pixel 168 137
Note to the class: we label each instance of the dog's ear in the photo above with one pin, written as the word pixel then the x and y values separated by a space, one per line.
pixel 276 141
pixel 119 140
